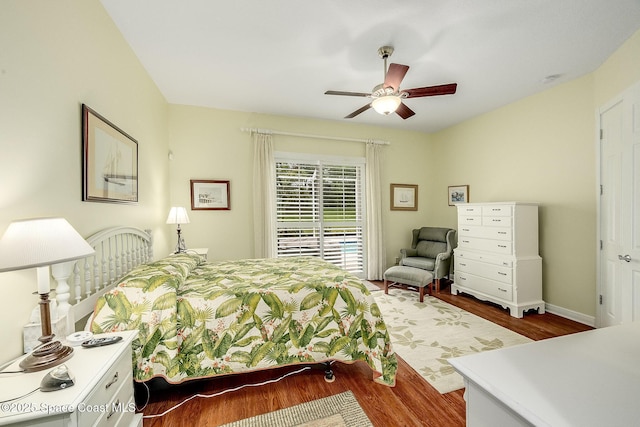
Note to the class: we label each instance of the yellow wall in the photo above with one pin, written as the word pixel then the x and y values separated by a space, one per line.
pixel 54 56
pixel 540 149
pixel 543 149
pixel 209 144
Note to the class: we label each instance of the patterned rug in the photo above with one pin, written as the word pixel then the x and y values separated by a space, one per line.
pixel 426 334
pixel 340 410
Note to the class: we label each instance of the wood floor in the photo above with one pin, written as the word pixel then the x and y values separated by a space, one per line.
pixel 412 402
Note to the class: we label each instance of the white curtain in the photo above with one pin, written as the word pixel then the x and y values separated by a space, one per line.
pixel 264 196
pixel 376 253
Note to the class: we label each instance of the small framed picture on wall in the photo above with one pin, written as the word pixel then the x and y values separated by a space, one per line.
pixel 458 194
pixel 210 195
pixel 404 197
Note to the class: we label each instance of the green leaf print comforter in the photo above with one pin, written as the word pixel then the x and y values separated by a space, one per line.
pixel 198 319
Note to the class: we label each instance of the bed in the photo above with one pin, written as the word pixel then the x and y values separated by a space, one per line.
pixel 199 319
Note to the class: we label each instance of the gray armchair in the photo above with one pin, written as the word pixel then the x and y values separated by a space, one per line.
pixel 432 250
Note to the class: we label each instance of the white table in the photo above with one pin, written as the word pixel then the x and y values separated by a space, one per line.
pixel 586 379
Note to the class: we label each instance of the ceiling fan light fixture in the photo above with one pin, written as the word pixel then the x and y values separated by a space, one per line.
pixel 386 105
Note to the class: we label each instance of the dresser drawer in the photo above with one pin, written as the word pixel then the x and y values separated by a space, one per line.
pixel 469 210
pixel 483 269
pixel 486 286
pixel 495 233
pixel 469 220
pixel 497 210
pixel 497 221
pixel 121 373
pixel 478 244
pixel 496 260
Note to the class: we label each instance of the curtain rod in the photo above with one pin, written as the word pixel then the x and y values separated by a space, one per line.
pixel 306 135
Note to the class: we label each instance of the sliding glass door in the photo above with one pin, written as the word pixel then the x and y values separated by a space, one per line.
pixel 320 209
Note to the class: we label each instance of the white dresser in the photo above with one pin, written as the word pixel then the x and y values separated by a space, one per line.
pixel 497 255
pixel 101 396
pixel 588 379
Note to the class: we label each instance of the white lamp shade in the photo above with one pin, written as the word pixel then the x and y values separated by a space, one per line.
pixel 386 104
pixel 178 215
pixel 41 242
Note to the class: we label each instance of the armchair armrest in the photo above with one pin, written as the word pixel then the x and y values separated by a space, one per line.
pixel 408 252
pixel 442 265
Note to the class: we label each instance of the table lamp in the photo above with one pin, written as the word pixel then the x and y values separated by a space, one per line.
pixel 178 215
pixel 39 243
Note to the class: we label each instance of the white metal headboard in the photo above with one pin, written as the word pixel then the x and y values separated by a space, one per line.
pixel 118 251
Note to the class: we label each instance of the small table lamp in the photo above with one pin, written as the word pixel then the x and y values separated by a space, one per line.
pixel 38 243
pixel 178 215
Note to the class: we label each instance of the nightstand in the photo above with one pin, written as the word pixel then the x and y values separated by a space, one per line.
pixel 102 393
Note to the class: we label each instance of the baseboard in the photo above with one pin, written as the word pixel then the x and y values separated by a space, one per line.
pixel 571 315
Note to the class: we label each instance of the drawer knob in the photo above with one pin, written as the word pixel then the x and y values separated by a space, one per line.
pixel 112 382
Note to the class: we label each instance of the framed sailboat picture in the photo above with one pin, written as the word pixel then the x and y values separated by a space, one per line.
pixel 404 197
pixel 110 161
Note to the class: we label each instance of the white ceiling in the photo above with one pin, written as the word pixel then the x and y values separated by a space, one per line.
pixel 280 56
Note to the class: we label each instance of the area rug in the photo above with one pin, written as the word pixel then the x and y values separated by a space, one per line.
pixel 426 334
pixel 340 410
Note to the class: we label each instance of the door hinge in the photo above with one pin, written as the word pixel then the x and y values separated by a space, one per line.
pixel 600 299
pixel 601 245
pixel 601 134
pixel 601 190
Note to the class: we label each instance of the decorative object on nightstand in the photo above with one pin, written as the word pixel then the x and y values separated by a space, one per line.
pixel 178 215
pixel 40 243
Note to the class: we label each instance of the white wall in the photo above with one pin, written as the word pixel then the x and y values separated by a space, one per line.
pixel 54 56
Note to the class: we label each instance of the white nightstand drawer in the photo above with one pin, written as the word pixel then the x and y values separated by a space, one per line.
pixel 120 411
pixel 119 374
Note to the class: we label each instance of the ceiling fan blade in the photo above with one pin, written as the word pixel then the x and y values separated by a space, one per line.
pixel 358 111
pixel 337 92
pixel 395 74
pixel 448 89
pixel 404 111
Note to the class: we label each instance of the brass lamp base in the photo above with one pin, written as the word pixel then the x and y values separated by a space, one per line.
pixel 45 356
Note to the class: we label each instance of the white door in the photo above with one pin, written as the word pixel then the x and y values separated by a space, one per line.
pixel 619 281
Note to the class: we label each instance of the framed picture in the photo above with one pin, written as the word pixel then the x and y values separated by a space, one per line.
pixel 110 161
pixel 210 195
pixel 404 197
pixel 458 194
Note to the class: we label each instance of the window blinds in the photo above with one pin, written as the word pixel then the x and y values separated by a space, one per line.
pixel 320 212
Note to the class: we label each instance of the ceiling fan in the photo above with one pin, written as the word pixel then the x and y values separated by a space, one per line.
pixel 387 97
